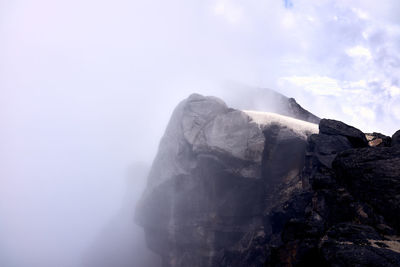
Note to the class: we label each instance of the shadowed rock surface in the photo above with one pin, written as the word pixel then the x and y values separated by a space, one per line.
pixel 373 176
pixel 396 138
pixel 351 218
pixel 247 188
pixel 338 128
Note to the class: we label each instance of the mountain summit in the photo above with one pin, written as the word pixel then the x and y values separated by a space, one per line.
pixel 233 187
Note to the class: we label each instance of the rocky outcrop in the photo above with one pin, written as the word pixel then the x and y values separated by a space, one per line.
pixel 214 177
pixel 298 112
pixel 396 138
pixel 338 128
pixel 351 218
pixel 247 188
pixel 267 100
pixel 373 176
pixel 377 139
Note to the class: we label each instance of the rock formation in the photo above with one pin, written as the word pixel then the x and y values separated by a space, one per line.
pixel 351 215
pixel 396 138
pixel 246 188
pixel 263 99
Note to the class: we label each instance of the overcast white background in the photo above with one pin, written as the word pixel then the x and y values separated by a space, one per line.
pixel 87 87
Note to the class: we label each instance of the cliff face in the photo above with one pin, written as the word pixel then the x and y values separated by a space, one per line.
pixel 245 188
pixel 350 217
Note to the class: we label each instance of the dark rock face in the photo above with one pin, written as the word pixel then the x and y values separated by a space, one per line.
pixel 396 138
pixel 349 244
pixel 351 219
pixel 233 188
pixel 373 176
pixel 332 127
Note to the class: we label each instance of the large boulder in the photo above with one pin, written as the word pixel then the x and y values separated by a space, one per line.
pixel 333 127
pixel 216 173
pixel 326 147
pixel 396 138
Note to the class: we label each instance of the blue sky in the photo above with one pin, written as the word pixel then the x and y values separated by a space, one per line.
pixel 288 3
pixel 87 88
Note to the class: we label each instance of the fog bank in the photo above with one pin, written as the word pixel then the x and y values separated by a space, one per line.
pixel 87 89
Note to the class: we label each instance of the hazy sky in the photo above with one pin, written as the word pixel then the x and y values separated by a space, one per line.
pixel 87 87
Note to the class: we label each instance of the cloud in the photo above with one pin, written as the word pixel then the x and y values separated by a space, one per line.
pixel 229 10
pixel 315 85
pixel 81 80
pixel 348 57
pixel 359 51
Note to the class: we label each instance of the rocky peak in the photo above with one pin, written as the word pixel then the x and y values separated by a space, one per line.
pixel 297 111
pixel 207 187
pixel 264 99
pixel 235 187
